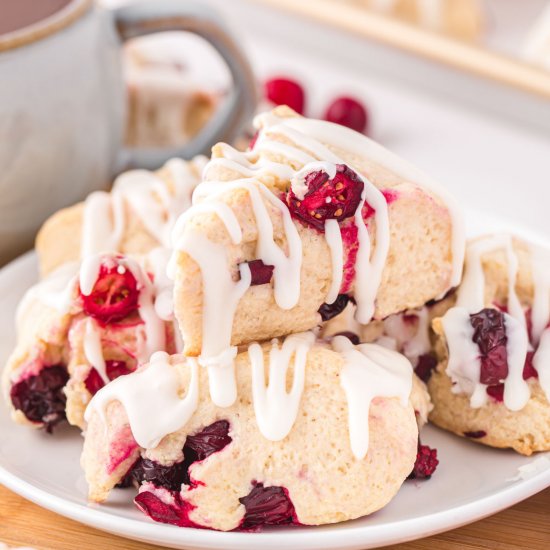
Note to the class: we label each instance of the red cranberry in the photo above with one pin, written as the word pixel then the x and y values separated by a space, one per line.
pixel 157 510
pixel 114 369
pixel 349 112
pixel 208 441
pixel 490 336
pixel 425 366
pixel 170 477
pixel 93 381
pixel 328 311
pixel 496 392
pixel 475 435
pixel 529 370
pixel 327 199
pixel 283 91
pixel 261 273
pixel 426 462
pixel 41 398
pixel 115 294
pixel 267 506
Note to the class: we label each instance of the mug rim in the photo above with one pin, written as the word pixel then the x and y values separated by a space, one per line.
pixel 62 18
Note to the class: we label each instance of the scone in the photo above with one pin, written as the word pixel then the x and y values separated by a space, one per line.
pixel 82 327
pixel 492 383
pixel 462 19
pixel 314 215
pixel 134 218
pixel 330 437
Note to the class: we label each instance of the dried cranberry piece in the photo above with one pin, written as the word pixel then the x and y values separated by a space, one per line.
pixel 284 91
pixel 349 112
pixel 157 510
pixel 328 311
pixel 267 506
pixel 476 435
pixel 425 366
pixel 425 464
pixel 490 336
pixel 351 336
pixel 260 273
pixel 327 199
pixel 41 398
pixel 115 294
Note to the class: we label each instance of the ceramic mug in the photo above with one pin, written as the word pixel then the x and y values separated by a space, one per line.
pixel 63 106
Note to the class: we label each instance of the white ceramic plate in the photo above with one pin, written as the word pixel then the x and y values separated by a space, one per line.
pixel 471 482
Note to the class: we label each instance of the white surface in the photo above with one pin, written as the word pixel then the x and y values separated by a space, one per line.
pixel 471 482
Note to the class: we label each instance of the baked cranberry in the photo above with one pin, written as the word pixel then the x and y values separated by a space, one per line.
pixel 260 273
pixel 114 369
pixel 349 112
pixel 529 370
pixel 41 398
pixel 115 294
pixel 426 462
pixel 490 337
pixel 267 506
pixel 157 510
pixel 425 366
pixel 328 311
pixel 93 381
pixel 475 435
pixel 327 199
pixel 169 477
pixel 496 392
pixel 283 91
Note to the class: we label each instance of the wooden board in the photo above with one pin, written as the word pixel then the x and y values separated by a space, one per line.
pixel 525 526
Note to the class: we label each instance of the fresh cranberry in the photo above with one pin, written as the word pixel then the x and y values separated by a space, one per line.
pixel 425 366
pixel 157 510
pixel 425 464
pixel 351 336
pixel 283 91
pixel 475 435
pixel 41 398
pixel 327 199
pixel 490 336
pixel 349 112
pixel 328 311
pixel 261 273
pixel 115 294
pixel 267 506
pixel 114 369
pixel 496 392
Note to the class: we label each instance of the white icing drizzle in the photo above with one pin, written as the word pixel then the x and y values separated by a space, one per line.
pixel 154 202
pixel 370 371
pixel 464 363
pixel 93 350
pixel 89 272
pixel 333 237
pixel 276 409
pixel 151 399
pixel 541 362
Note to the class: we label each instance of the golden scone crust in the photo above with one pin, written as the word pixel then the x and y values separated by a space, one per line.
pixel 314 462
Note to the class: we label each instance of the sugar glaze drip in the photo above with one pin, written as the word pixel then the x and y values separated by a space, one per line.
pixel 464 363
pixel 370 371
pixel 276 409
pixel 151 399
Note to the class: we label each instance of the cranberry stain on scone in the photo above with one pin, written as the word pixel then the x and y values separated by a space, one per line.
pixel 318 433
pixel 82 327
pixel 330 215
pixel 492 383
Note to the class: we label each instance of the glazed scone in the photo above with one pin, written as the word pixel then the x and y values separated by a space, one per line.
pixel 81 327
pixel 332 441
pixel 134 218
pixel 492 383
pixel 462 19
pixel 314 214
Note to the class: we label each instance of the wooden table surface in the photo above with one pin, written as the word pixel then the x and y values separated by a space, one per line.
pixel 525 526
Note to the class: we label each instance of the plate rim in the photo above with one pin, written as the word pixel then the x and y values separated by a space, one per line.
pixel 308 538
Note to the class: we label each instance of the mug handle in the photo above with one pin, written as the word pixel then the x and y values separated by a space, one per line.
pixel 165 15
